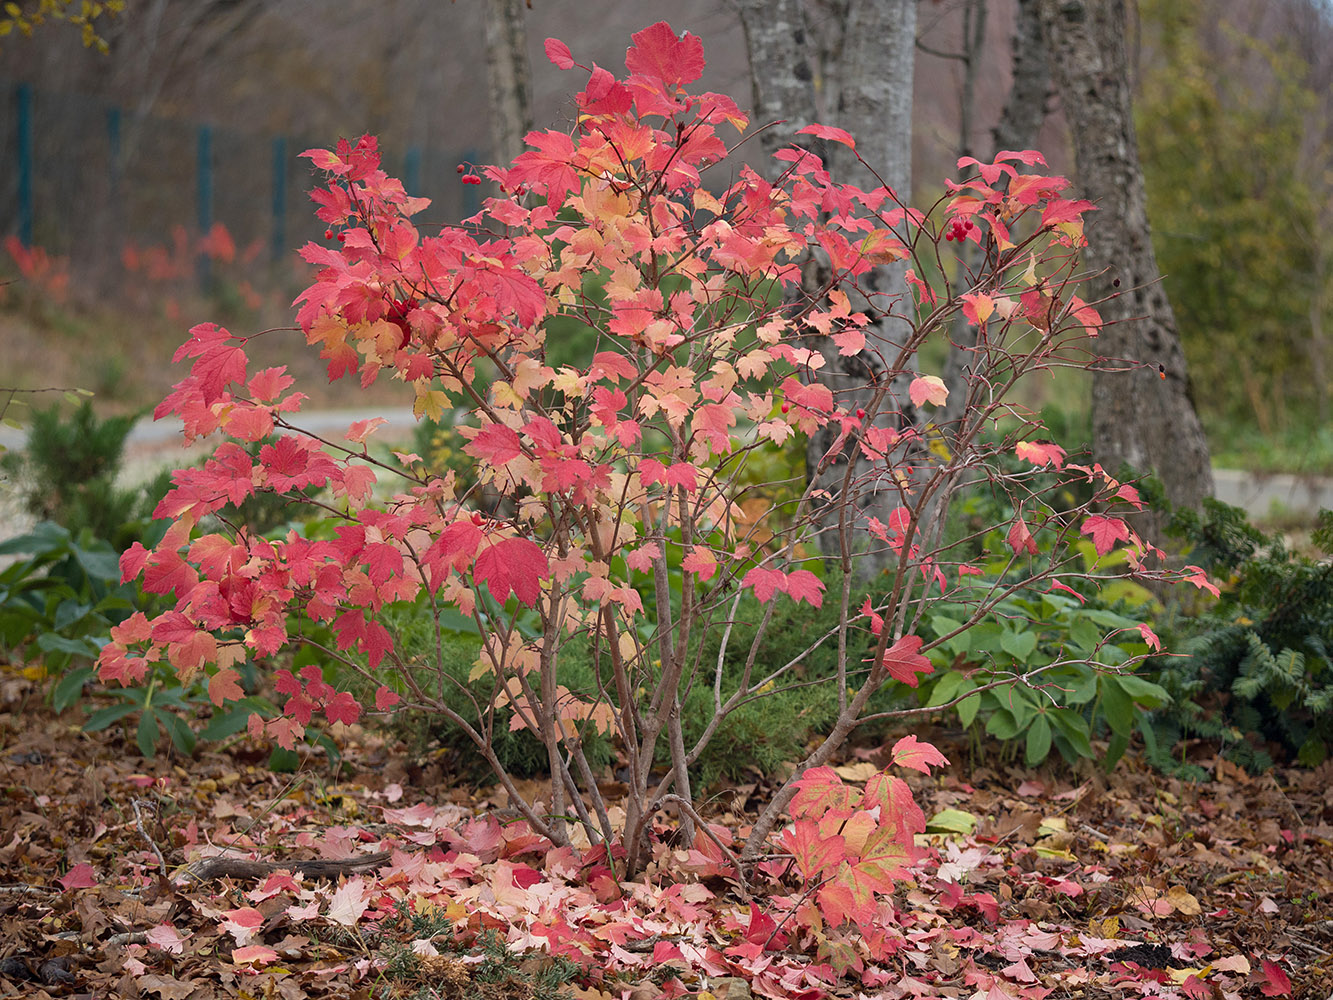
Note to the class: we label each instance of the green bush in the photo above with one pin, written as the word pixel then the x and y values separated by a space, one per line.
pixel 1257 678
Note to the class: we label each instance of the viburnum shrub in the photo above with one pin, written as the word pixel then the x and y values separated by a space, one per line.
pixel 617 504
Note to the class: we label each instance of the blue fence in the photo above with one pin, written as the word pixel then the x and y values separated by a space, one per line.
pixel 85 178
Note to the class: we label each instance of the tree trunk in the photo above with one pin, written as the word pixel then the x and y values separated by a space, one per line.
pixel 508 76
pixel 1138 418
pixel 868 65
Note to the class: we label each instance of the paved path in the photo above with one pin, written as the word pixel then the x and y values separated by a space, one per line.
pixel 152 444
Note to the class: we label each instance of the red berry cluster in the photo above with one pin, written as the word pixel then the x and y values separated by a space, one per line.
pixel 958 230
pixel 468 178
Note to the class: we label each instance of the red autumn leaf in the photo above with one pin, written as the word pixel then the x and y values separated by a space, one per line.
pixel 819 791
pixel 1041 453
pixel 658 53
pixel 79 877
pixel 909 752
pixel 1020 538
pixel 1273 982
pixel 515 564
pixel 494 443
pixel 904 662
pixel 558 52
pixel 1105 532
pixel 766 582
pixel 829 132
pixel 816 854
pixel 342 707
pixel 803 585
pixel 386 698
pixel 849 897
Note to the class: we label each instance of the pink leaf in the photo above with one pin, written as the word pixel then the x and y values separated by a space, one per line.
pixel 904 662
pixel 659 54
pixel 1020 538
pixel 766 582
pixel 79 877
pixel 1105 532
pixel 803 585
pixel 1150 637
pixel 1041 453
pixel 558 52
pixel 909 752
pixel 255 954
pixel 829 132
pixel 928 389
pixel 385 698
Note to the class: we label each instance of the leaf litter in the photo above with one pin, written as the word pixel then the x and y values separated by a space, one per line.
pixel 393 881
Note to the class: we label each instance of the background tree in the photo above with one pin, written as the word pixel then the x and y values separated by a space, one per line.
pixel 1138 419
pixel 1236 157
pixel 847 63
pixel 508 76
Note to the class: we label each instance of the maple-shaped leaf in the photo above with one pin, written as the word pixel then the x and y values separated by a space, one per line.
pixel 1020 538
pixel 848 897
pixel 904 661
pixel 766 582
pixel 225 686
pixel 167 938
pixel 81 876
pixel 1041 453
pixel 816 853
pixel 819 791
pixel 386 698
pixel 495 443
pixel 928 389
pixel 898 807
pixel 343 707
pixel 1196 576
pixel 1105 532
pixel 910 752
pixel 803 585
pixel 829 132
pixel 254 954
pixel 516 564
pixel 1273 981
pixel 701 562
pixel 558 52
pixel 658 53
pixel 349 901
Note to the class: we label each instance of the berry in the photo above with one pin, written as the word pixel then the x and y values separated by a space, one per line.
pixel 471 179
pixel 459 168
pixel 786 407
pixel 860 413
pixel 328 234
pixel 342 237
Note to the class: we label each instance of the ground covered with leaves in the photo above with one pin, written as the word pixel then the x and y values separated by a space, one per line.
pixel 1030 885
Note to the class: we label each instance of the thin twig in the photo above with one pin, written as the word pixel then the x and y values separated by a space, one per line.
pixel 138 825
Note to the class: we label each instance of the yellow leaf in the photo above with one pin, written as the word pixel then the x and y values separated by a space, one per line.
pixel 1184 903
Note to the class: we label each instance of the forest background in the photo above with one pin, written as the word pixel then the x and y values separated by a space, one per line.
pixel 167 167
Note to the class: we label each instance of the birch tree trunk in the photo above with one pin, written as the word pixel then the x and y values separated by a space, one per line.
pixel 1139 419
pixel 867 69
